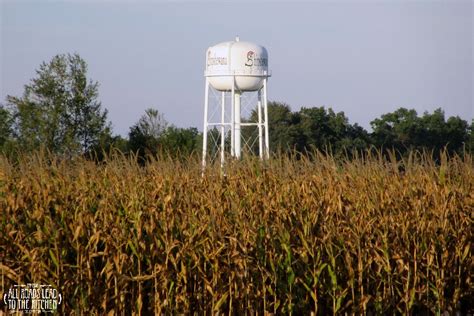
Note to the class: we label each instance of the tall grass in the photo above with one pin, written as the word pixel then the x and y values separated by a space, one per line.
pixel 289 236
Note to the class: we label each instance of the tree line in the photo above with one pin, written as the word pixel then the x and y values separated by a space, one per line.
pixel 60 111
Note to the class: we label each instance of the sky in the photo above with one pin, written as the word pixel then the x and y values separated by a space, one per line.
pixel 364 58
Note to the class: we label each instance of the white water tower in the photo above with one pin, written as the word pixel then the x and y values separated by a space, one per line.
pixel 235 68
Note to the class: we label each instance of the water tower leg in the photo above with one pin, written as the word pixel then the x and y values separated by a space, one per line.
pixel 232 120
pixel 222 129
pixel 260 131
pixel 204 131
pixel 237 137
pixel 265 109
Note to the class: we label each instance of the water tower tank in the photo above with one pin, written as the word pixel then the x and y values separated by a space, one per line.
pixel 248 62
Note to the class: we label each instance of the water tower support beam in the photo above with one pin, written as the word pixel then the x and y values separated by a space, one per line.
pixel 260 135
pixel 222 129
pixel 232 119
pixel 204 142
pixel 237 136
pixel 265 109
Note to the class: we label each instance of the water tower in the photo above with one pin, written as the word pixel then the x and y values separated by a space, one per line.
pixel 233 69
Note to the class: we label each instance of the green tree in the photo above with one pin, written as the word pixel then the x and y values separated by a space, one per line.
pixel 108 145
pixel 470 144
pixel 59 109
pixel 324 129
pixel 356 138
pixel 145 134
pixel 311 128
pixel 404 130
pixel 457 134
pixel 284 130
pixel 152 123
pixel 5 126
pixel 180 142
pixel 396 130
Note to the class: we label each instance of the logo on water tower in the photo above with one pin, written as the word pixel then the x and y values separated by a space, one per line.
pixel 250 58
pixel 254 60
pixel 215 61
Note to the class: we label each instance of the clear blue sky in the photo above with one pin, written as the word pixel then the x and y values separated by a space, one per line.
pixel 365 58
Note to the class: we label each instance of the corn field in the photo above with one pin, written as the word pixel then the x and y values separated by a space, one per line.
pixel 307 236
